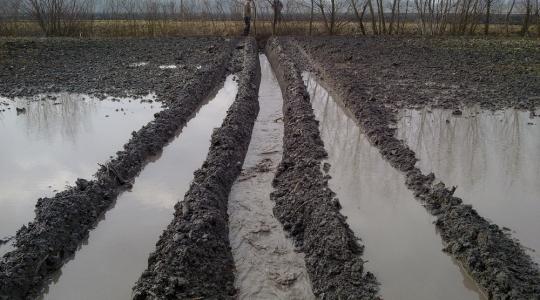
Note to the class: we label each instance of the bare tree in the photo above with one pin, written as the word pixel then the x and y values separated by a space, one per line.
pixel 538 17
pixel 311 14
pixel 488 16
pixel 526 18
pixel 395 11
pixel 507 20
pixel 329 11
pixel 372 14
pixel 359 16
pixel 9 15
pixel 61 17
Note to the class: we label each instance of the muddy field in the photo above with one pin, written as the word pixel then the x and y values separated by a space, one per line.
pixel 374 78
pixel 293 169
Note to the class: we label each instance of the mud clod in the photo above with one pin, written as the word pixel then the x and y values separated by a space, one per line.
pixel 457 112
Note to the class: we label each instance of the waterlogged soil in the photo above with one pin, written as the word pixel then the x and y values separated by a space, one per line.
pixel 398 233
pixel 447 73
pixel 109 263
pixel 375 77
pixel 48 144
pixel 114 67
pixel 193 257
pixel 63 221
pixel 304 204
pixel 267 265
pixel 490 156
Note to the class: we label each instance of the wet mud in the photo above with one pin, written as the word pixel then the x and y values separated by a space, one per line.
pixel 53 143
pixel 109 263
pixel 267 265
pixel 63 221
pixel 497 263
pixel 401 245
pixel 491 157
pixel 405 72
pixel 107 67
pixel 193 257
pixel 303 202
pixel 373 77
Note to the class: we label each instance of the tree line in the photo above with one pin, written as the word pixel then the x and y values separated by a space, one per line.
pixel 365 17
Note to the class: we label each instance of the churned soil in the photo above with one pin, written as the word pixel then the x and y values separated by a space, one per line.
pixel 63 221
pixel 113 67
pixel 444 73
pixel 374 77
pixel 304 204
pixel 193 258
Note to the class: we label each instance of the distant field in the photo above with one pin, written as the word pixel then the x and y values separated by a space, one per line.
pixel 139 27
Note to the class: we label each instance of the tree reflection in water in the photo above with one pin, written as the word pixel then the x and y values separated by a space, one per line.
pixel 492 157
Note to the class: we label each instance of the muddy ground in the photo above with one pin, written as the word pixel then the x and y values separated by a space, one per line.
pixel 107 66
pixel 63 221
pixel 374 77
pixel 304 204
pixel 193 258
pixel 446 73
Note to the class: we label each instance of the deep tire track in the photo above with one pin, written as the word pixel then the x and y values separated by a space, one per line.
pixel 63 222
pixel 496 262
pixel 193 256
pixel 304 204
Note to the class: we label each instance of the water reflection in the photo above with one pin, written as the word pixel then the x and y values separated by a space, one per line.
pixel 53 142
pixel 116 253
pixel 402 247
pixel 492 157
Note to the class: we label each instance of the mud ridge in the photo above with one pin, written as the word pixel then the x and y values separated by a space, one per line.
pixel 497 263
pixel 63 221
pixel 304 204
pixel 193 258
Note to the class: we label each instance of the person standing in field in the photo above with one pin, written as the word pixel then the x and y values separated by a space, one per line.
pixel 278 8
pixel 247 16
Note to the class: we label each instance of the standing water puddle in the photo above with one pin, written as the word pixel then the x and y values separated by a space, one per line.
pixel 49 141
pixel 116 252
pixel 401 245
pixel 267 267
pixel 492 157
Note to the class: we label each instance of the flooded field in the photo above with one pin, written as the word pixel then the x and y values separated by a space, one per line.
pixel 50 141
pixel 492 158
pixel 402 247
pixel 267 266
pixel 219 186
pixel 116 253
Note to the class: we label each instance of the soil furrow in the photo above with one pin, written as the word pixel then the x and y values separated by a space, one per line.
pixel 304 204
pixel 398 233
pixel 63 221
pixel 102 267
pixel 267 265
pixel 496 262
pixel 193 257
